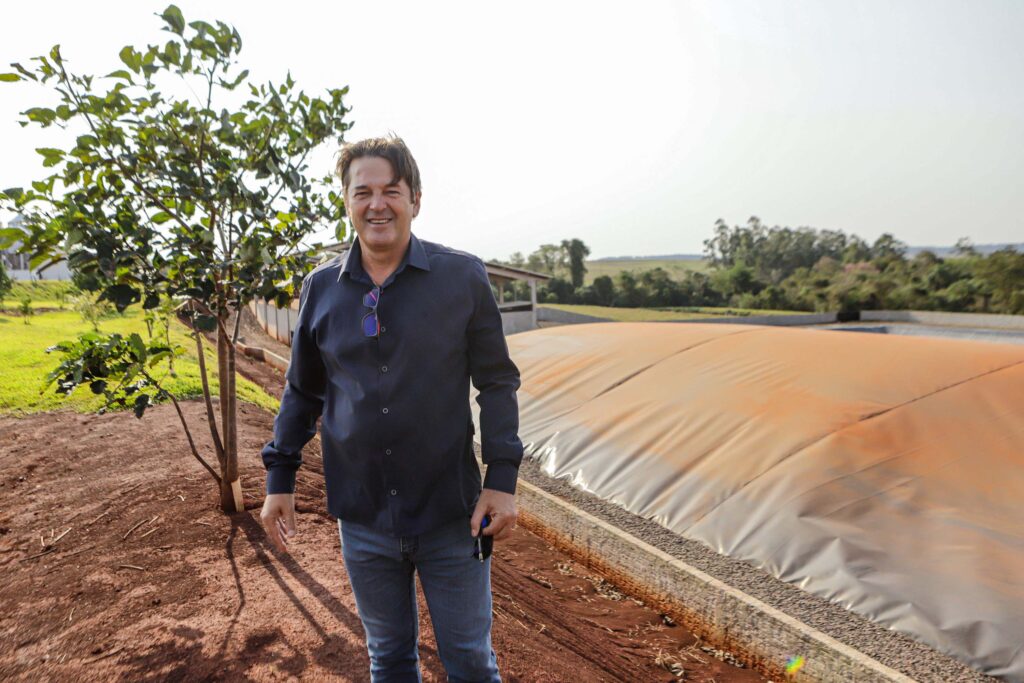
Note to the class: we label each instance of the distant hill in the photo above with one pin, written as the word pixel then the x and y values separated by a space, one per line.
pixel 676 265
pixel 667 257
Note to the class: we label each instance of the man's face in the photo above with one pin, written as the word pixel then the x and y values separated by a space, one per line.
pixel 381 211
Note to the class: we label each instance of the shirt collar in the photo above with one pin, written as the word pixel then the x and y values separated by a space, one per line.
pixel 415 256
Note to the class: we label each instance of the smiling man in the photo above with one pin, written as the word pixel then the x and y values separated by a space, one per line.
pixel 389 336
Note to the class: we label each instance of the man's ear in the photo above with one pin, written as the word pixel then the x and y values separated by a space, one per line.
pixel 416 204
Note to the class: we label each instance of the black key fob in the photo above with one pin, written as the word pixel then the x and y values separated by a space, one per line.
pixel 484 544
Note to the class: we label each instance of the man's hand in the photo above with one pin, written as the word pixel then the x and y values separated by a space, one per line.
pixel 502 509
pixel 278 518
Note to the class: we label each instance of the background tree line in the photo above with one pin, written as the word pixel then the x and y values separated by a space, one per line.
pixel 801 269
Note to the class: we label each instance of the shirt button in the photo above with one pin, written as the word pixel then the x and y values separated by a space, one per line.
pixel 384 368
pixel 394 492
pixel 385 411
pixel 387 452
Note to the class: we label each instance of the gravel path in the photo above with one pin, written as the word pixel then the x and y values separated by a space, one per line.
pixel 893 649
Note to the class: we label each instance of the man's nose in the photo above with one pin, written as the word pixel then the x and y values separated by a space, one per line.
pixel 377 203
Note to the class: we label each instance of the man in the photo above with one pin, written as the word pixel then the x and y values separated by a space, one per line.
pixel 387 340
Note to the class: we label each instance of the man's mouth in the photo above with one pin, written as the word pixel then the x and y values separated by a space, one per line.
pixel 379 221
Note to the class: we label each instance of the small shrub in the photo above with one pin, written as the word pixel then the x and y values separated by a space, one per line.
pixel 25 308
pixel 91 310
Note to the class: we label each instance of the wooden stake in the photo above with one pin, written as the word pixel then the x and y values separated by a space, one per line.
pixel 131 566
pixel 236 490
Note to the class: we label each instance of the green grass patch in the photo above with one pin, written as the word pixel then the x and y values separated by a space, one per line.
pixel 676 268
pixel 42 293
pixel 634 315
pixel 25 363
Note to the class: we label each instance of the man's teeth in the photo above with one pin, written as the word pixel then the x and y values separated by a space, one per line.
pixel 379 221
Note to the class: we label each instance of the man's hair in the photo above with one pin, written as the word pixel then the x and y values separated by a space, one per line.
pixel 391 148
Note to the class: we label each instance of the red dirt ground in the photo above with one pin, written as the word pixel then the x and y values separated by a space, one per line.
pixel 193 594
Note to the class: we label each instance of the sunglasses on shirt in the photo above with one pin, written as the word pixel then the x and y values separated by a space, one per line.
pixel 371 323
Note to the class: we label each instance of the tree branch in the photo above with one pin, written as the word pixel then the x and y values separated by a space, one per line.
pixel 191 442
pixel 218 445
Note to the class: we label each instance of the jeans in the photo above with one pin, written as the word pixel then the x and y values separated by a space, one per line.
pixel 457 587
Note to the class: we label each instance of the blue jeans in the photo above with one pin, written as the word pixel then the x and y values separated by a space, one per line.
pixel 456 585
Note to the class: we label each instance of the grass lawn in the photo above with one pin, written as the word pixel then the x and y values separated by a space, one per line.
pixel 43 293
pixel 663 314
pixel 25 363
pixel 676 268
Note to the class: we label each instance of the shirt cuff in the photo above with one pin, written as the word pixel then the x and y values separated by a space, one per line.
pixel 501 476
pixel 280 480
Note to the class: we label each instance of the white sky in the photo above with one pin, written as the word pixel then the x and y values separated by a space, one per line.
pixel 632 125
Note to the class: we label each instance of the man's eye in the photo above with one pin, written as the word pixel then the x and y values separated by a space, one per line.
pixel 392 193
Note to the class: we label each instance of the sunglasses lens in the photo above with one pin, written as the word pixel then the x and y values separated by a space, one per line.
pixel 371 327
pixel 370 298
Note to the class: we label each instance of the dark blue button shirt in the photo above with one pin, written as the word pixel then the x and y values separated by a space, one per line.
pixel 396 429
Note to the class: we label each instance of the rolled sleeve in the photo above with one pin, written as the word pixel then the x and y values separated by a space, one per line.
pixel 301 403
pixel 496 378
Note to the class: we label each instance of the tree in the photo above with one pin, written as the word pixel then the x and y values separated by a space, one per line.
pixel 965 247
pixel 887 247
pixel 1003 273
pixel 559 291
pixel 548 259
pixel 576 252
pixel 167 195
pixel 604 290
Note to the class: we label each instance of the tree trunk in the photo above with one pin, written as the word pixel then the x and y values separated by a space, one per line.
pixel 230 487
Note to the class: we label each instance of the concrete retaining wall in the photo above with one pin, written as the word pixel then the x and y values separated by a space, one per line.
pixel 760 635
pixel 513 322
pixel 1012 322
pixel 555 315
pixel 277 322
pixel 779 320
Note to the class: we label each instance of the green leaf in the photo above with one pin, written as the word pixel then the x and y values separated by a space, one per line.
pixel 172 15
pixel 98 386
pixel 121 73
pixel 205 323
pixel 161 217
pixel 41 115
pixel 24 72
pixel 155 358
pixel 131 58
pixel 152 301
pixel 172 53
pixel 122 296
pixel 138 346
pixel 9 78
pixel 141 403
pixel 51 156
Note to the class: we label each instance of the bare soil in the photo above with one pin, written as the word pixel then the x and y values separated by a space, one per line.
pixel 118 565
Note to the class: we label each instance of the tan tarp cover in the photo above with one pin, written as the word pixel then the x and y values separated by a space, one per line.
pixel 884 473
